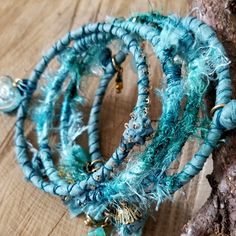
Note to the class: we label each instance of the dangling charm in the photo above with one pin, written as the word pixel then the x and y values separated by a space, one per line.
pixel 119 79
pixel 10 96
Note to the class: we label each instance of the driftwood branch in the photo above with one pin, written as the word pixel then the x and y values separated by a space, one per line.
pixel 218 214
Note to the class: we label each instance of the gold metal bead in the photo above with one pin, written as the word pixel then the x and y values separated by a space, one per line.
pixel 119 87
pixel 89 221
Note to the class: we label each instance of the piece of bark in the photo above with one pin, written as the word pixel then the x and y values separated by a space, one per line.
pixel 218 214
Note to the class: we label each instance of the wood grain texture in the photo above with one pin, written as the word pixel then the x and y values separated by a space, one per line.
pixel 28 28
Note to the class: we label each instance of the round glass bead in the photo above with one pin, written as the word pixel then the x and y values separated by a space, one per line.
pixel 10 96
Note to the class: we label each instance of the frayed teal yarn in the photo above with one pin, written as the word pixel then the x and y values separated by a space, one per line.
pixel 118 192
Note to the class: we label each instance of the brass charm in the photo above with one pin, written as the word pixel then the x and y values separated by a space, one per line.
pixel 119 80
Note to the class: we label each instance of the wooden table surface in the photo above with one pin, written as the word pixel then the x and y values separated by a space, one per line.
pixel 28 28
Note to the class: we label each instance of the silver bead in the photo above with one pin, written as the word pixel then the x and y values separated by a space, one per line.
pixel 10 96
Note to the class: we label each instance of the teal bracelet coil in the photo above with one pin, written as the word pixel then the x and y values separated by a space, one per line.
pixel 191 58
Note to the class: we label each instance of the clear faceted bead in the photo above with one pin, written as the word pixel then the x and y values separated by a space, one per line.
pixel 10 96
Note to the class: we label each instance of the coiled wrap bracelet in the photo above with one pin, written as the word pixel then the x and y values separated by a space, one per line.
pixel 191 58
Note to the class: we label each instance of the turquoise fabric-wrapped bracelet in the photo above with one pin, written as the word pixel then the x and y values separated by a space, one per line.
pixel 191 57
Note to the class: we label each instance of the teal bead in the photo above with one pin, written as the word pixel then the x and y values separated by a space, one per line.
pixel 10 96
pixel 97 232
